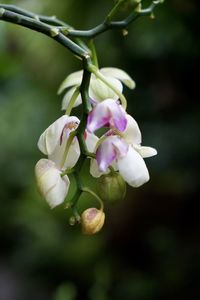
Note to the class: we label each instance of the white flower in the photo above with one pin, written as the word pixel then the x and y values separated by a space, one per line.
pixel 107 113
pixel 53 141
pixel 51 185
pixel 125 153
pixel 98 91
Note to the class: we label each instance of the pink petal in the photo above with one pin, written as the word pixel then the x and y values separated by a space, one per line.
pixel 71 125
pixel 112 148
pixel 108 112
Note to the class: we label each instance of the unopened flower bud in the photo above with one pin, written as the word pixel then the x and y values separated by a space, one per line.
pixel 111 187
pixel 92 220
pixel 51 185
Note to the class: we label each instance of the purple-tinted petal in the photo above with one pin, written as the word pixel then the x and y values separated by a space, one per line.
pixel 108 112
pixel 118 120
pixel 112 148
pixel 71 125
pixel 51 136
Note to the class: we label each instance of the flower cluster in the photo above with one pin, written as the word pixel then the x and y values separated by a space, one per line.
pixel 116 155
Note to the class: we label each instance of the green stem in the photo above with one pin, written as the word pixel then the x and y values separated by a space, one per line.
pixel 68 172
pixel 93 52
pixel 109 25
pixel 114 10
pixel 84 88
pixel 13 14
pixel 51 20
pixel 37 25
pixel 89 191
pixel 73 205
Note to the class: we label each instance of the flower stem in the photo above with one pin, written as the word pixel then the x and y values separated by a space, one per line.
pixel 89 191
pixel 114 10
pixel 93 51
pixel 36 25
pixel 14 14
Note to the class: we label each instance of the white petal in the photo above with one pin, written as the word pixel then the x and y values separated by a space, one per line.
pixel 91 141
pixel 72 157
pixel 119 74
pixel 99 91
pixel 71 80
pixel 94 169
pixel 51 136
pixel 73 154
pixel 133 169
pixel 145 151
pixel 132 133
pixel 67 97
pixel 51 185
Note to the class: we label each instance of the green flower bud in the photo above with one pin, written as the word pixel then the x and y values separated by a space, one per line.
pixel 111 187
pixel 92 220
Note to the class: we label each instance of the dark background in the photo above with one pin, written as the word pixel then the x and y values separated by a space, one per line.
pixel 149 247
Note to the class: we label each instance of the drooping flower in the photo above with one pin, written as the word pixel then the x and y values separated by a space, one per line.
pixel 107 113
pixel 54 139
pixel 125 153
pixel 98 90
pixel 52 185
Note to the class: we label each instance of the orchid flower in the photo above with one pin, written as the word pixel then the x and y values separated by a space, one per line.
pixel 98 90
pixel 53 143
pixel 107 113
pixel 124 152
pixel 52 185
pixel 54 139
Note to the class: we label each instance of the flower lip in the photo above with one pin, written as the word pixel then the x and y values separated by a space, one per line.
pixel 124 152
pixel 54 139
pixel 55 133
pixel 112 148
pixel 107 113
pixel 69 126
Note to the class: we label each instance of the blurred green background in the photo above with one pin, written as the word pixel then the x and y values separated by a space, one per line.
pixel 149 247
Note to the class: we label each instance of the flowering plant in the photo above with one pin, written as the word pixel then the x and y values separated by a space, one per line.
pixel 116 155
